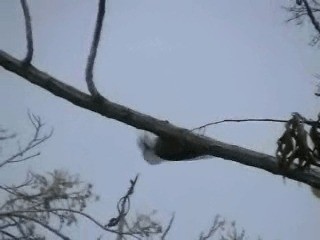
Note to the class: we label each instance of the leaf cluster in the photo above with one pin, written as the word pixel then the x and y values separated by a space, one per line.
pixel 48 201
pixel 298 147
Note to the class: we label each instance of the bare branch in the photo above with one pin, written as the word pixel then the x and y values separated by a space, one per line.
pixel 6 137
pixel 35 141
pixel 306 9
pixel 19 213
pixel 159 127
pixel 46 226
pixel 309 122
pixel 93 52
pixel 123 205
pixel 217 224
pixel 163 236
pixel 9 235
pixel 25 158
pixel 27 19
pixel 20 227
pixel 240 120
pixel 312 18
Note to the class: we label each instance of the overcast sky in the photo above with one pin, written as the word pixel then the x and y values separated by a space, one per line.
pixel 186 61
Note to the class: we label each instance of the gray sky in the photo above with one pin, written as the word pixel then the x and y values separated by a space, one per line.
pixel 187 61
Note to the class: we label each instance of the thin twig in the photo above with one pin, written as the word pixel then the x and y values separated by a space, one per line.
pixel 249 120
pixel 240 120
pixel 27 19
pixel 163 236
pixel 7 137
pixel 123 205
pixel 35 141
pixel 93 52
pixel 20 228
pixel 25 158
pixel 9 235
pixel 217 224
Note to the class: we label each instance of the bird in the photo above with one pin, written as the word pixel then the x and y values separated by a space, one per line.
pixel 156 149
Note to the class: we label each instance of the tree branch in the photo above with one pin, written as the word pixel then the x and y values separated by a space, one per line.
pixel 34 142
pixel 21 214
pixel 9 235
pixel 27 19
pixel 93 52
pixel 49 228
pixel 308 9
pixel 159 127
pixel 123 205
pixel 313 20
pixel 217 224
pixel 240 120
pixel 309 122
pixel 163 236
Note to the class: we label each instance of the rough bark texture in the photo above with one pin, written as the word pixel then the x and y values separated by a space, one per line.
pixel 159 127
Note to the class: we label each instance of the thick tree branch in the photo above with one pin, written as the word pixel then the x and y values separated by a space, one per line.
pixel 161 128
